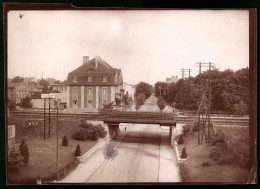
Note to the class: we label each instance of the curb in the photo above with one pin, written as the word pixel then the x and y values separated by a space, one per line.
pixel 101 143
pixel 177 153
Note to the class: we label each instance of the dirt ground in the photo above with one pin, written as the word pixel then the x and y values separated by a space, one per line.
pixel 194 172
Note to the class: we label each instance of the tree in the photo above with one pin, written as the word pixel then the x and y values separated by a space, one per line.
pixel 126 101
pixel 45 89
pixel 26 102
pixel 44 82
pixel 15 159
pixel 140 99
pixel 160 88
pixel 11 105
pixel 161 103
pixel 241 108
pixel 57 82
pixel 144 88
pixel 78 151
pixel 65 141
pixel 24 152
pixel 17 79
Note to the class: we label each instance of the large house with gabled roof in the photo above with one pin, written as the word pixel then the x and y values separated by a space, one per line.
pixel 93 85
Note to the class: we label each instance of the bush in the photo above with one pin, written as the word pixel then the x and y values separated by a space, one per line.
pixel 218 138
pixel 94 136
pixel 15 160
pixel 221 154
pixel 88 132
pixel 180 140
pixel 77 151
pixel 186 129
pixel 82 134
pixel 65 141
pixel 24 152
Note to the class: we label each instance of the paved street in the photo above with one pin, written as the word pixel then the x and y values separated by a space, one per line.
pixel 141 153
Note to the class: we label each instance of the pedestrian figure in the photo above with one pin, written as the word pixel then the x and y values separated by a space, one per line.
pixel 125 128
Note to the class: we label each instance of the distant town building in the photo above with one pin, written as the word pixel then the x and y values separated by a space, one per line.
pixel 93 85
pixel 18 91
pixel 61 87
pixel 172 79
pixel 60 92
pixel 130 89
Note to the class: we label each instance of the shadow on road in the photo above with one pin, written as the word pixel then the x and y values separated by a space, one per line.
pixel 137 138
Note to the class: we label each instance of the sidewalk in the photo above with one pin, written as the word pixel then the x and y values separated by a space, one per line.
pixel 84 170
pixel 169 169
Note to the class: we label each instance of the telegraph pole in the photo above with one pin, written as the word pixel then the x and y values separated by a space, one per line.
pixel 57 155
pixel 183 76
pixel 49 117
pixel 207 117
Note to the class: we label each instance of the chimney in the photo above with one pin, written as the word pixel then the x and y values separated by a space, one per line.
pixel 85 59
pixel 96 62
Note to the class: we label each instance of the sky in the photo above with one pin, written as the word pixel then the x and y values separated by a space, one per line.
pixel 147 45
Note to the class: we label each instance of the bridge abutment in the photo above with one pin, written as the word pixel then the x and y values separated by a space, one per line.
pixel 113 131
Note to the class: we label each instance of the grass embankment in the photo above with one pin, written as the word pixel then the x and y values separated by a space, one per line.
pixel 42 152
pixel 193 171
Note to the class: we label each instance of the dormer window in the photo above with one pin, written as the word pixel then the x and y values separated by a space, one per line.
pixel 75 79
pixel 104 79
pixel 89 78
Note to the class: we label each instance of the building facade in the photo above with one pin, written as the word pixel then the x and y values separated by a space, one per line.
pixel 130 90
pixel 173 79
pixel 93 85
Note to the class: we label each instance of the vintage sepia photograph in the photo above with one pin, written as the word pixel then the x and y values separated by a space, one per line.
pixel 128 96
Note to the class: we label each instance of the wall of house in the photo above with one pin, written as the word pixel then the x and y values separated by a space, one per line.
pixel 39 103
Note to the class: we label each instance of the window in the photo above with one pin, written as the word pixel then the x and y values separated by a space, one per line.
pixel 75 79
pixel 65 88
pixel 104 79
pixel 104 91
pixel 89 103
pixel 61 88
pixel 89 78
pixel 89 91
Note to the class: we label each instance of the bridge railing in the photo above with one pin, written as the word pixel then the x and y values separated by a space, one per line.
pixel 140 115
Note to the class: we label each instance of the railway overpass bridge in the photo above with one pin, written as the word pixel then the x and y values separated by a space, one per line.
pixel 114 118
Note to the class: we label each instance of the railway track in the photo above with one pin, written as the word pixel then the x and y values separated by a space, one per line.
pixel 218 121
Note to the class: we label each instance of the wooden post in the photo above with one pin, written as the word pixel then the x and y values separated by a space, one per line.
pixel 49 117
